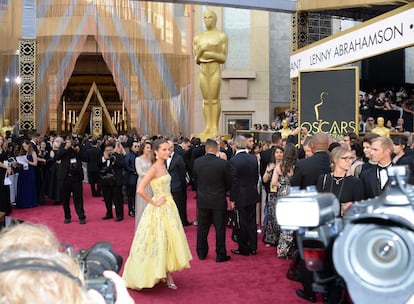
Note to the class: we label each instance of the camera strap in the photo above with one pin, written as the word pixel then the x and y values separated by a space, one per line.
pixel 37 264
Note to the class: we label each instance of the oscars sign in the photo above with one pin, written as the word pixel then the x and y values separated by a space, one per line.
pixel 328 100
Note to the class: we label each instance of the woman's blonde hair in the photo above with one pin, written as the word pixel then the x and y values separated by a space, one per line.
pixel 28 244
pixel 336 154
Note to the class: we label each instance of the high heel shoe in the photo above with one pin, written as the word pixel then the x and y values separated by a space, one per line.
pixel 172 286
pixel 170 282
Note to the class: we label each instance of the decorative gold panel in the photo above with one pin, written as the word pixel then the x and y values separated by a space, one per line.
pixel 299 40
pixel 97 121
pixel 27 73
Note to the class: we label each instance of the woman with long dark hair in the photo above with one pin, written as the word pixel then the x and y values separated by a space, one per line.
pixel 26 183
pixel 272 231
pixel 283 172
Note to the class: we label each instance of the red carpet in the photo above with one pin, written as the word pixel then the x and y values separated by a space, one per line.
pixel 253 279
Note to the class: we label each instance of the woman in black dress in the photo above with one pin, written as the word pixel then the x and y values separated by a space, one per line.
pixel 5 205
pixel 347 189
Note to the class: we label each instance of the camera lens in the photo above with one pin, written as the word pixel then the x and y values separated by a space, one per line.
pixel 99 258
pixel 380 256
pixel 376 261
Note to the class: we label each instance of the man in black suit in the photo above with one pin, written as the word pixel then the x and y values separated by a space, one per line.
pixel 112 193
pixel 94 159
pixel 176 168
pixel 213 182
pixel 70 177
pixel 131 176
pixel 197 150
pixel 244 173
pixel 375 178
pixel 306 174
pixel 183 149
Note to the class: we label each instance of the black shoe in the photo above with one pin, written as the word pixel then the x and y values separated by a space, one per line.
pixel 187 224
pixel 118 219
pixel 107 217
pixel 237 251
pixel 67 221
pixel 82 221
pixel 56 203
pixel 201 258
pixel 307 297
pixel 131 213
pixel 252 251
pixel 223 259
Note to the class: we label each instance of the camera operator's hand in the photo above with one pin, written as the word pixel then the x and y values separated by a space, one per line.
pixel 122 295
pixel 119 148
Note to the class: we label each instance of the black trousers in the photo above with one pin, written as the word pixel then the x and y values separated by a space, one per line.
pixel 247 234
pixel 131 193
pixel 72 185
pixel 93 179
pixel 180 199
pixel 206 216
pixel 113 195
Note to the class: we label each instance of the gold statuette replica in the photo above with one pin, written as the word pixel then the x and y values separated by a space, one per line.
pixel 7 128
pixel 285 131
pixel 210 50
pixel 380 129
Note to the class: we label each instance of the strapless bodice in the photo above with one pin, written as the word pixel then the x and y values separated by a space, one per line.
pixel 161 186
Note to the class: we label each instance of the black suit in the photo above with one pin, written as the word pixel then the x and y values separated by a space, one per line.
pixel 113 194
pixel 214 180
pixel 195 152
pixel 244 175
pixel 177 170
pixel 94 158
pixel 70 177
pixel 307 170
pixel 131 179
pixel 371 183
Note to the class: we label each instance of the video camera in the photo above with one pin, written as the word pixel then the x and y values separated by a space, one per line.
pixel 94 262
pixel 368 254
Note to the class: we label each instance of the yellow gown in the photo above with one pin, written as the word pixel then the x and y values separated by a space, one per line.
pixel 159 244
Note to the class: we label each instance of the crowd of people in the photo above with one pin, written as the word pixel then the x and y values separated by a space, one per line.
pixel 151 175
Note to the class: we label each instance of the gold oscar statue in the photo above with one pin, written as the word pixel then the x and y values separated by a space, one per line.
pixel 285 131
pixel 210 50
pixel 6 127
pixel 380 129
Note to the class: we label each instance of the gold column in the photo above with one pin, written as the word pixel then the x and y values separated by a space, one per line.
pixel 299 40
pixel 27 73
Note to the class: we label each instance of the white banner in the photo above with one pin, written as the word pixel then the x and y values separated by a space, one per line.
pixel 391 31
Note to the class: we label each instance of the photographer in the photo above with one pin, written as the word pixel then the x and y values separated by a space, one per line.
pixel 70 177
pixel 33 269
pixel 112 167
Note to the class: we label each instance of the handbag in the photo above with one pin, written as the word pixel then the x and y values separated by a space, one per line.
pixel 7 180
pixel 233 219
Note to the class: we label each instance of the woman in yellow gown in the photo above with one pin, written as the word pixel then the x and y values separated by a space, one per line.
pixel 160 246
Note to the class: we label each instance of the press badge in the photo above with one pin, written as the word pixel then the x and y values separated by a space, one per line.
pixel 73 160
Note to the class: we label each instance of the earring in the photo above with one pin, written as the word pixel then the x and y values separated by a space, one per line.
pixel 156 156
